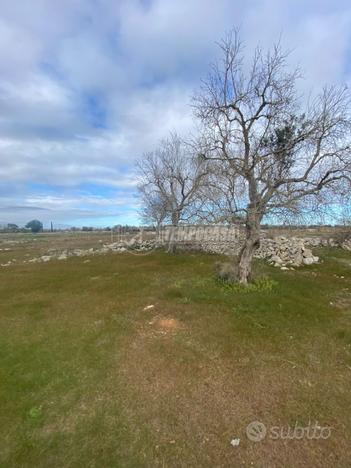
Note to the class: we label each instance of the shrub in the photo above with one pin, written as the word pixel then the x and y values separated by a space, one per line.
pixel 262 284
pixel 227 272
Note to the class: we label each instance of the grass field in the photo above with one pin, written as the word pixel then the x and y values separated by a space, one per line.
pixel 91 377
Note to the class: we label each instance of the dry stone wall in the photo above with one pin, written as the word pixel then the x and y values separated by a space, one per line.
pixel 280 251
pixel 212 238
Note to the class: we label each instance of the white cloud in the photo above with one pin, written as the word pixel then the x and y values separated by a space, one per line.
pixel 86 87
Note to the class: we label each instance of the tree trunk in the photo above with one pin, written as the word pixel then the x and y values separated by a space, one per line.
pixel 171 244
pixel 172 247
pixel 252 242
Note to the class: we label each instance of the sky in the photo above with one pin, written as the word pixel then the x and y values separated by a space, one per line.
pixel 88 86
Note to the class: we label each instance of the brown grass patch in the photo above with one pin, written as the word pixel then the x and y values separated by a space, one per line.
pixel 196 403
pixel 168 324
pixel 342 300
pixel 160 326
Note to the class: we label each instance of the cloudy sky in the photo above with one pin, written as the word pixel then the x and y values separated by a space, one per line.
pixel 87 86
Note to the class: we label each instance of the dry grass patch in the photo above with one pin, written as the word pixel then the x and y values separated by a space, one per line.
pixel 194 404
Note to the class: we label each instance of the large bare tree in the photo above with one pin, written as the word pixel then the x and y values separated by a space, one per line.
pixel 277 150
pixel 170 179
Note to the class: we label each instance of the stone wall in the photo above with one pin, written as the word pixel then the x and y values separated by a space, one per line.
pixel 280 250
pixel 200 233
pixel 211 238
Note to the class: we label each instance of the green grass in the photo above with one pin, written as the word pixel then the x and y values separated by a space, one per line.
pixel 89 378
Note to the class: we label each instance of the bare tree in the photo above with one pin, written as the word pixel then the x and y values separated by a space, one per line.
pixel 220 196
pixel 278 149
pixel 154 210
pixel 170 179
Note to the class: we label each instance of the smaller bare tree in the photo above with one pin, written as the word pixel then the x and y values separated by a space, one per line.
pixel 170 181
pixel 153 209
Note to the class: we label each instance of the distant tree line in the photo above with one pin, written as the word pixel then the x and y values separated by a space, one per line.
pixel 32 226
pixel 36 226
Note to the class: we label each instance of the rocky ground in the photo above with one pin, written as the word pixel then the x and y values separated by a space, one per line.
pixel 119 247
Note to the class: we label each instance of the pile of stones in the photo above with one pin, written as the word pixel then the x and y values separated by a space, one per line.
pixel 321 242
pixel 286 252
pixel 280 251
pixel 330 242
pixel 346 245
pixel 119 247
pixel 132 244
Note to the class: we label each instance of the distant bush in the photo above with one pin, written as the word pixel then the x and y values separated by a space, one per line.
pixel 227 272
pixel 35 225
